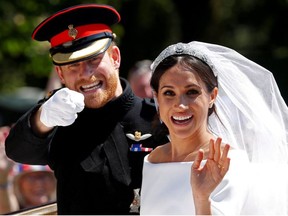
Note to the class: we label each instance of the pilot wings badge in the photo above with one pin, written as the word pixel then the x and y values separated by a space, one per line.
pixel 137 136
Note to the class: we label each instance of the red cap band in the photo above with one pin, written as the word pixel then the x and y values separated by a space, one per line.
pixel 82 31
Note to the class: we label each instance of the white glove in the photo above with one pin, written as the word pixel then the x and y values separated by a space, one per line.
pixel 62 108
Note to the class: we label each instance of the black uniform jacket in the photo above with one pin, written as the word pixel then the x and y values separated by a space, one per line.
pixel 98 159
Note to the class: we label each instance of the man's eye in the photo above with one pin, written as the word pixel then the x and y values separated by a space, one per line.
pixel 93 60
pixel 73 65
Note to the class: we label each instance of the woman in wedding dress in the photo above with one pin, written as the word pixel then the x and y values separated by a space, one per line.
pixel 227 125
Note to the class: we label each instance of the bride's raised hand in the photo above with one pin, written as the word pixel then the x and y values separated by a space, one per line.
pixel 205 179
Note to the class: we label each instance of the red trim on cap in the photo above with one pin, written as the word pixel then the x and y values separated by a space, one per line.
pixel 69 10
pixel 82 31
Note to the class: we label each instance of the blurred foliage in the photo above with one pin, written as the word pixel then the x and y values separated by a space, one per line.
pixel 257 29
pixel 22 60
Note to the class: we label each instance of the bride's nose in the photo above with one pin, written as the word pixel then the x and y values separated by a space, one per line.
pixel 181 102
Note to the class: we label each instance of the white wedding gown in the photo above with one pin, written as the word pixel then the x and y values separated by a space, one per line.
pixel 246 189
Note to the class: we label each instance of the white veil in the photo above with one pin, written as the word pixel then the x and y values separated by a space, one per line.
pixel 249 103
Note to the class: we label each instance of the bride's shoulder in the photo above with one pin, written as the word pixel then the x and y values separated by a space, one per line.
pixel 158 155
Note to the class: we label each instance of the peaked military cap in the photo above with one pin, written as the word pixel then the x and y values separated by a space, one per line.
pixel 78 33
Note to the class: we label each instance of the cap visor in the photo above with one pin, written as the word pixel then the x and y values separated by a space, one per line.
pixel 95 48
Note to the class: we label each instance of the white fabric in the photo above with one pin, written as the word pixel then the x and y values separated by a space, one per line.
pixel 166 188
pixel 245 190
pixel 268 189
pixel 62 108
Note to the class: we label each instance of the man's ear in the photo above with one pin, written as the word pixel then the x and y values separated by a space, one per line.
pixel 115 56
pixel 60 74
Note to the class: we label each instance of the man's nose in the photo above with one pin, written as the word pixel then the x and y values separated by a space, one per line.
pixel 86 69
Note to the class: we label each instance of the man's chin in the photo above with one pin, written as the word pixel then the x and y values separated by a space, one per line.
pixel 96 101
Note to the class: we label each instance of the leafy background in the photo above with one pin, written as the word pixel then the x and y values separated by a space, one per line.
pixel 256 29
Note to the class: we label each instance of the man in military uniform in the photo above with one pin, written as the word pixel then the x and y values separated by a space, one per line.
pixel 88 131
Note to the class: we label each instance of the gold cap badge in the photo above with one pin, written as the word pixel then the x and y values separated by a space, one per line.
pixel 72 31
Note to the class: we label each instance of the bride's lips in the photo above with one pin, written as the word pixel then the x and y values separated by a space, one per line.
pixel 181 119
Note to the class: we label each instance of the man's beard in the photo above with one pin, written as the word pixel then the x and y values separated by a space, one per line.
pixel 103 96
